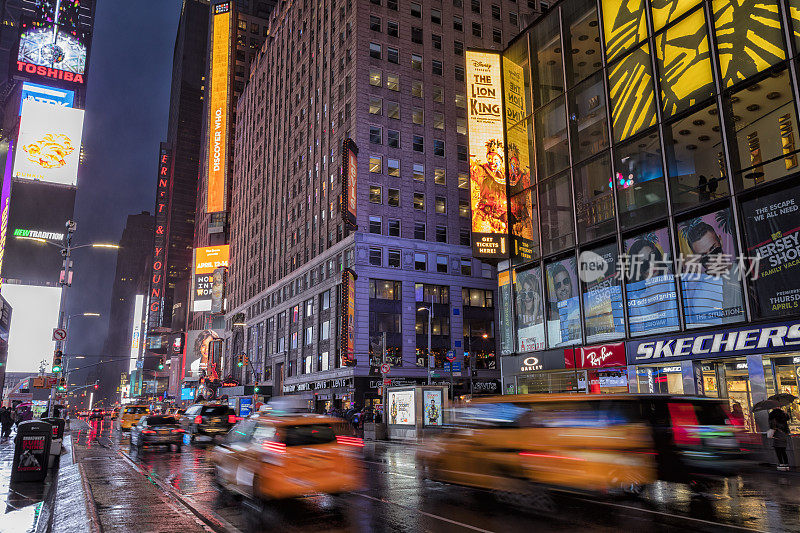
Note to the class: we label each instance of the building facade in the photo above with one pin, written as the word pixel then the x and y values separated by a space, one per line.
pixel 657 201
pixel 389 76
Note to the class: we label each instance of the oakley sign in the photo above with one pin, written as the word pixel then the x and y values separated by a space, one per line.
pixel 730 342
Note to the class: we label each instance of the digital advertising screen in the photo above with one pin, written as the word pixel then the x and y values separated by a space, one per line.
pixel 136 331
pixel 49 144
pixel 200 356
pixel 487 162
pixel 46 95
pixel 206 261
pixel 35 314
pixel 529 309
pixel 219 103
pixel 432 407
pixel 37 211
pixel 401 407
pixel 348 318
pixel 563 307
pixel 349 181
pixel 54 41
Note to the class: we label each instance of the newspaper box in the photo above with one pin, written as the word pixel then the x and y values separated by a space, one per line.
pixel 31 451
pixel 57 438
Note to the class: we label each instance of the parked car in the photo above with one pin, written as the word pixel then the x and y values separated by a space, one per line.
pixel 204 422
pixel 287 457
pixel 157 430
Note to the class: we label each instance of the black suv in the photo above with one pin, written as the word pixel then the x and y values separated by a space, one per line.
pixel 203 422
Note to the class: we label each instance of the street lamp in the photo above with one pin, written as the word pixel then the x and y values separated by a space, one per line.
pixel 429 309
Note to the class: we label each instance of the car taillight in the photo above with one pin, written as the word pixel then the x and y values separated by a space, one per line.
pixel 350 441
pixel 198 419
pixel 177 431
pixel 148 431
pixel 272 446
pixel 232 419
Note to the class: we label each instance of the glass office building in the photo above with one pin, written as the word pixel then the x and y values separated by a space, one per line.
pixel 652 153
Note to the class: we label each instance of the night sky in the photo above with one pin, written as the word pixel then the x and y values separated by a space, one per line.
pixel 130 68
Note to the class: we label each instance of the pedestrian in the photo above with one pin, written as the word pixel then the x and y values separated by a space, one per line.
pixel 779 431
pixel 5 422
pixel 737 414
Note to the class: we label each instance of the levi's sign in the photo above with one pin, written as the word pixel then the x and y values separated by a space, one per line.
pixel 726 343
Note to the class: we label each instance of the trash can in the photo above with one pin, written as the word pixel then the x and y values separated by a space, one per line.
pixel 31 451
pixel 58 434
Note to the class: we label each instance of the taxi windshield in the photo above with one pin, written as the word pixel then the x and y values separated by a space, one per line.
pixel 308 434
pixel 136 410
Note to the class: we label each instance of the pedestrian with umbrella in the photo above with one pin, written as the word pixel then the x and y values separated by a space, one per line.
pixel 778 425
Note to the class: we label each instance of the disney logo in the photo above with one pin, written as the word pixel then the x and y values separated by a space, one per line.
pixel 481 64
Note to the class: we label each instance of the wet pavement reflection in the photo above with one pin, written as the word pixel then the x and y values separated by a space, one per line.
pixel 399 499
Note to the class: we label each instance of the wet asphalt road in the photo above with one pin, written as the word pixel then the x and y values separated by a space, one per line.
pixel 167 491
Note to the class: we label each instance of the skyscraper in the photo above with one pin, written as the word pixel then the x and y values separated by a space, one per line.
pixel 389 76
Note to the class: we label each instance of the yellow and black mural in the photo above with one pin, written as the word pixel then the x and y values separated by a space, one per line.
pixel 630 84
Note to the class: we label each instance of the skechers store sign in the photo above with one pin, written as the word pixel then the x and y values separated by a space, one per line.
pixel 773 338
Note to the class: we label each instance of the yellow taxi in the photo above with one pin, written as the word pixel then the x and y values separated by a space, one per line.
pixel 130 414
pixel 269 457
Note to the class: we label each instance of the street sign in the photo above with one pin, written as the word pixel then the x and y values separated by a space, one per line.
pixel 451 355
pixel 51 382
pixel 385 368
pixel 140 363
pixel 59 334
pixel 39 383
pixel 456 367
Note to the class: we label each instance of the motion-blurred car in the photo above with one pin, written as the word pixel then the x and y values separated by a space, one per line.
pixel 595 443
pixel 84 413
pixel 97 414
pixel 130 415
pixel 204 422
pixel 269 457
pixel 157 430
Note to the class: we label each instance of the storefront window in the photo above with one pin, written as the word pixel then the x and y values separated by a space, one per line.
pixel 630 83
pixel 684 64
pixel 710 273
pixel 650 284
pixel 737 23
pixel 659 379
pixel 588 118
pixel 554 382
pixel 556 212
pixel 563 307
pixel 548 81
pixel 583 32
pixel 529 309
pixel 695 159
pixel 771 230
pixel 552 148
pixel 602 295
pixel 639 180
pixel 787 379
pixel 765 119
pixel 594 199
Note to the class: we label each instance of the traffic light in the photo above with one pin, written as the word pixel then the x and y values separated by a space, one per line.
pixel 256 389
pixel 240 360
pixel 161 363
pixel 96 385
pixel 245 360
pixel 57 361
pixel 62 385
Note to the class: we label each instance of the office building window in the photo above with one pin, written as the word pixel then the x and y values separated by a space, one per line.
pixel 419 172
pixel 375 50
pixel 458 23
pixel 419 201
pixel 441 264
pixel 438 94
pixel 375 23
pixel 436 67
pixel 418 143
pixel 394 259
pixel 416 62
pixel 375 78
pixel 436 16
pixel 376 256
pixel 393 110
pixel 416 35
pixel 416 10
pixel 441 234
pixel 393 198
pixel 393 227
pixel 393 82
pixel 375 106
pixel 392 28
pixel 417 116
pixel 416 89
pixel 375 224
pixel 375 195
pixel 392 55
pixel 466 266
pixel 464 237
pixel 375 135
pixel 393 167
pixel 420 262
pixel 476 29
pixel 419 231
pixel 438 147
pixel 440 205
pixel 393 139
pixel 375 164
pixel 438 176
pixel 463 209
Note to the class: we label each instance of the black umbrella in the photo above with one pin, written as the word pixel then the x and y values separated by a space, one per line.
pixel 765 405
pixel 783 398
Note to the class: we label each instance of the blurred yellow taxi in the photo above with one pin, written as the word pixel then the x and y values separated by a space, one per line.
pixel 277 457
pixel 130 414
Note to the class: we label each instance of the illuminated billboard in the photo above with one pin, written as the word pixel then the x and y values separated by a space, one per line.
pixel 49 145
pixel 157 277
pixel 46 95
pixel 5 200
pixel 35 312
pixel 206 260
pixel 37 211
pixel 349 181
pixel 219 103
pixel 487 166
pixel 54 42
pixel 136 331
pixel 348 314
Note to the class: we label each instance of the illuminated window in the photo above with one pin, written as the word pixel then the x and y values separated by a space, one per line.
pixel 375 106
pixel 375 78
pixel 639 180
pixel 438 94
pixel 417 116
pixel 684 64
pixel 463 180
pixel 419 201
pixel 594 199
pixel 416 62
pixel 440 205
pixel 393 82
pixel 463 209
pixel 419 172
pixel 461 125
pixel 393 167
pixel 375 164
pixel 393 110
pixel 461 101
pixel 416 89
pixel 375 195
pixel 438 176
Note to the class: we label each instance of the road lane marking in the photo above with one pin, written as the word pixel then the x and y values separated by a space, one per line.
pixel 437 517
